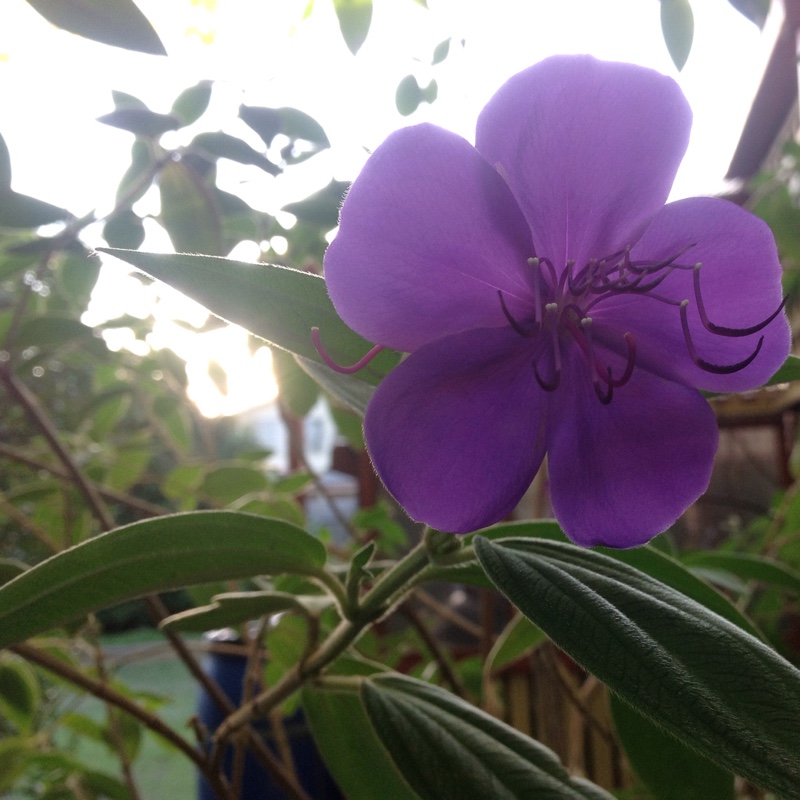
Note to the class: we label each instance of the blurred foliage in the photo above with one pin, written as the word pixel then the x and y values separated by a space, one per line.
pixel 120 420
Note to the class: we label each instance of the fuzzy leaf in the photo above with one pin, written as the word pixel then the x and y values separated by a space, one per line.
pixel 149 556
pixel 449 750
pixel 278 304
pixel 716 688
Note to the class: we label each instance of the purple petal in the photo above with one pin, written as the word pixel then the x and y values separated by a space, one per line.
pixel 456 431
pixel 740 283
pixel 429 233
pixel 590 150
pixel 623 472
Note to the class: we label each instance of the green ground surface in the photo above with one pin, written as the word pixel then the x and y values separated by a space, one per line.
pixel 159 770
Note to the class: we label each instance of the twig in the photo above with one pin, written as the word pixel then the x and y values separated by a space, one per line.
pixel 114 733
pixel 110 695
pixel 136 503
pixel 12 512
pixel 156 608
pixel 20 392
pixel 449 675
pixel 445 612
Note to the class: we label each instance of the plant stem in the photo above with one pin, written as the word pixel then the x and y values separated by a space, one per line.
pixel 108 694
pixel 388 590
pixel 156 608
pixel 136 503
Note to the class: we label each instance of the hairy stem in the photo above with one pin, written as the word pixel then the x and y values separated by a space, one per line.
pixel 388 590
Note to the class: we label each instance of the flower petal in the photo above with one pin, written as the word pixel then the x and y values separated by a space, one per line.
pixel 429 233
pixel 624 472
pixel 589 148
pixel 740 284
pixel 456 431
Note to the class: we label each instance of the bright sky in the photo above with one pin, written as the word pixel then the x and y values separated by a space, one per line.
pixel 53 86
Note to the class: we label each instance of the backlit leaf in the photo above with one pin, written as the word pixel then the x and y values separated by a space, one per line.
pixel 276 303
pixel 354 18
pixel 192 103
pixel 677 27
pixel 188 211
pixel 115 22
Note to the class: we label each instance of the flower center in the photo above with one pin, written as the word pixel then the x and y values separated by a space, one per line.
pixel 563 305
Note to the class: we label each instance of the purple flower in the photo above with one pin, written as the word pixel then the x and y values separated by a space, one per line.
pixel 551 303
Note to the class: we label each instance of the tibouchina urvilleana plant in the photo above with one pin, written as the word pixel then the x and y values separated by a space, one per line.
pixel 553 303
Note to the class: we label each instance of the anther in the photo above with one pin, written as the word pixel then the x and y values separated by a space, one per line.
pixel 720 329
pixel 359 365
pixel 718 369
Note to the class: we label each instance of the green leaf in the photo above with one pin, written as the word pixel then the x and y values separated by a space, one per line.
pixel 291 122
pixel 789 371
pixel 677 27
pixel 5 165
pixel 349 425
pixel 658 758
pixel 141 121
pixel 20 695
pixel 115 22
pixel 225 484
pixel 125 100
pixel 297 390
pixel 21 211
pixel 410 94
pixel 124 229
pixel 518 637
pixel 233 608
pixel 716 688
pixel 188 211
pixel 150 556
pixel 441 52
pixel 351 390
pixel 749 567
pixel 755 10
pixel 353 753
pixel 223 145
pixel 278 304
pixel 10 568
pixel 192 103
pixel 134 182
pixel 449 750
pixel 354 18
pixel 321 208
pixel 49 332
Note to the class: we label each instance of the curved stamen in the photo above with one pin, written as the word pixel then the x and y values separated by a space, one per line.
pixel 511 321
pixel 721 330
pixel 604 397
pixel 359 365
pixel 717 369
pixel 548 386
pixel 537 289
pixel 551 310
pixel 629 364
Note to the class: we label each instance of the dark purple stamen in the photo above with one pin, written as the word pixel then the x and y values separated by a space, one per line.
pixel 562 304
pixel 717 369
pixel 720 329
